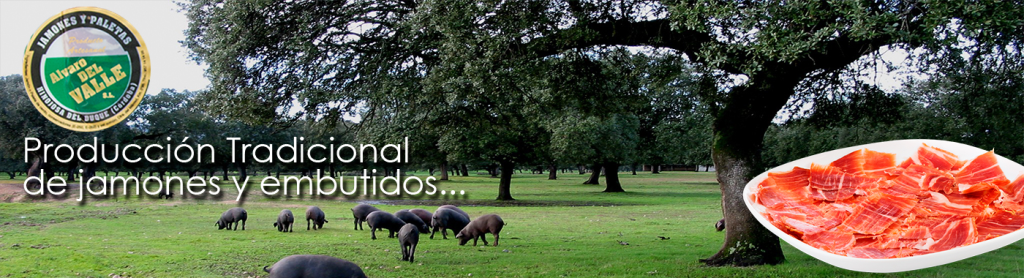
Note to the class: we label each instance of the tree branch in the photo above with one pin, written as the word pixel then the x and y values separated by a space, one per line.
pixel 656 33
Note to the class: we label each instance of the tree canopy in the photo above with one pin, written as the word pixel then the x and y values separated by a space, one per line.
pixel 325 58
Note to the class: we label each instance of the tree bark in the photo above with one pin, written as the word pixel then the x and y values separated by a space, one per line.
pixel 35 169
pixel 465 170
pixel 655 169
pixel 633 167
pixel 595 175
pixel 611 178
pixel 88 171
pixel 552 172
pixel 504 185
pixel 739 129
pixel 444 171
pixel 242 173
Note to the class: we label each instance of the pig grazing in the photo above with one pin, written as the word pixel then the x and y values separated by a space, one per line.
pixel 284 221
pixel 457 209
pixel 317 216
pixel 408 237
pixel 424 215
pixel 307 266
pixel 411 218
pixel 445 218
pixel 383 220
pixel 359 213
pixel 233 215
pixel 479 228
pixel 165 195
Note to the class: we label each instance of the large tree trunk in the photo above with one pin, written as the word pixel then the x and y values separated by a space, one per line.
pixel 504 186
pixel 552 172
pixel 595 174
pixel 224 168
pixel 444 171
pixel 739 129
pixel 88 171
pixel 465 170
pixel 242 173
pixel 611 178
pixel 655 169
pixel 37 167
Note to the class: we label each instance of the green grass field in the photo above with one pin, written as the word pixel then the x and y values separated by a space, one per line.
pixel 556 229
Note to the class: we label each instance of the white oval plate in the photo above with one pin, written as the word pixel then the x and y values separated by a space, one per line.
pixel 903 149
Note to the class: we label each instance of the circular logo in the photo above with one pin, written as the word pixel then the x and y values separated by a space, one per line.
pixel 86 69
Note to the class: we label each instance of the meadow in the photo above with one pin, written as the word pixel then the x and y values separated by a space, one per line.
pixel 556 228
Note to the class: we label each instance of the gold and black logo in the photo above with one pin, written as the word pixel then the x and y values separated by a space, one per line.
pixel 86 69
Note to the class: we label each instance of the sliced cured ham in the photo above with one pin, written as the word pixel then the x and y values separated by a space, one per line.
pixel 833 195
pixel 926 178
pixel 833 178
pixel 873 253
pixel 879 211
pixel 938 204
pixel 865 205
pixel 1001 223
pixel 1015 190
pixel 954 233
pixel 833 240
pixel 938 158
pixel 983 168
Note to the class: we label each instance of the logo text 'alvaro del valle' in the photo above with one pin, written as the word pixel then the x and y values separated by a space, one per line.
pixel 86 69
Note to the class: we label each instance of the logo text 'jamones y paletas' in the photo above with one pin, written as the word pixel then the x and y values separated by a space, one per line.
pixel 86 69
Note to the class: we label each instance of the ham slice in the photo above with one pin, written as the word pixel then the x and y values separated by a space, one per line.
pixel 1015 190
pixel 833 240
pixel 938 158
pixel 983 168
pixel 1001 223
pixel 879 211
pixel 954 233
pixel 833 178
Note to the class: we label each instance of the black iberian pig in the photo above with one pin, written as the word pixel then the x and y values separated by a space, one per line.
pixel 316 215
pixel 233 215
pixel 408 238
pixel 457 209
pixel 446 218
pixel 359 212
pixel 383 220
pixel 411 218
pixel 285 219
pixel 306 266
pixel 424 215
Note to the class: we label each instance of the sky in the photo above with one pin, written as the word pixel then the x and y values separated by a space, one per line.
pixel 159 23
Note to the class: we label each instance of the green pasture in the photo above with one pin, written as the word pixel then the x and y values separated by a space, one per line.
pixel 557 228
